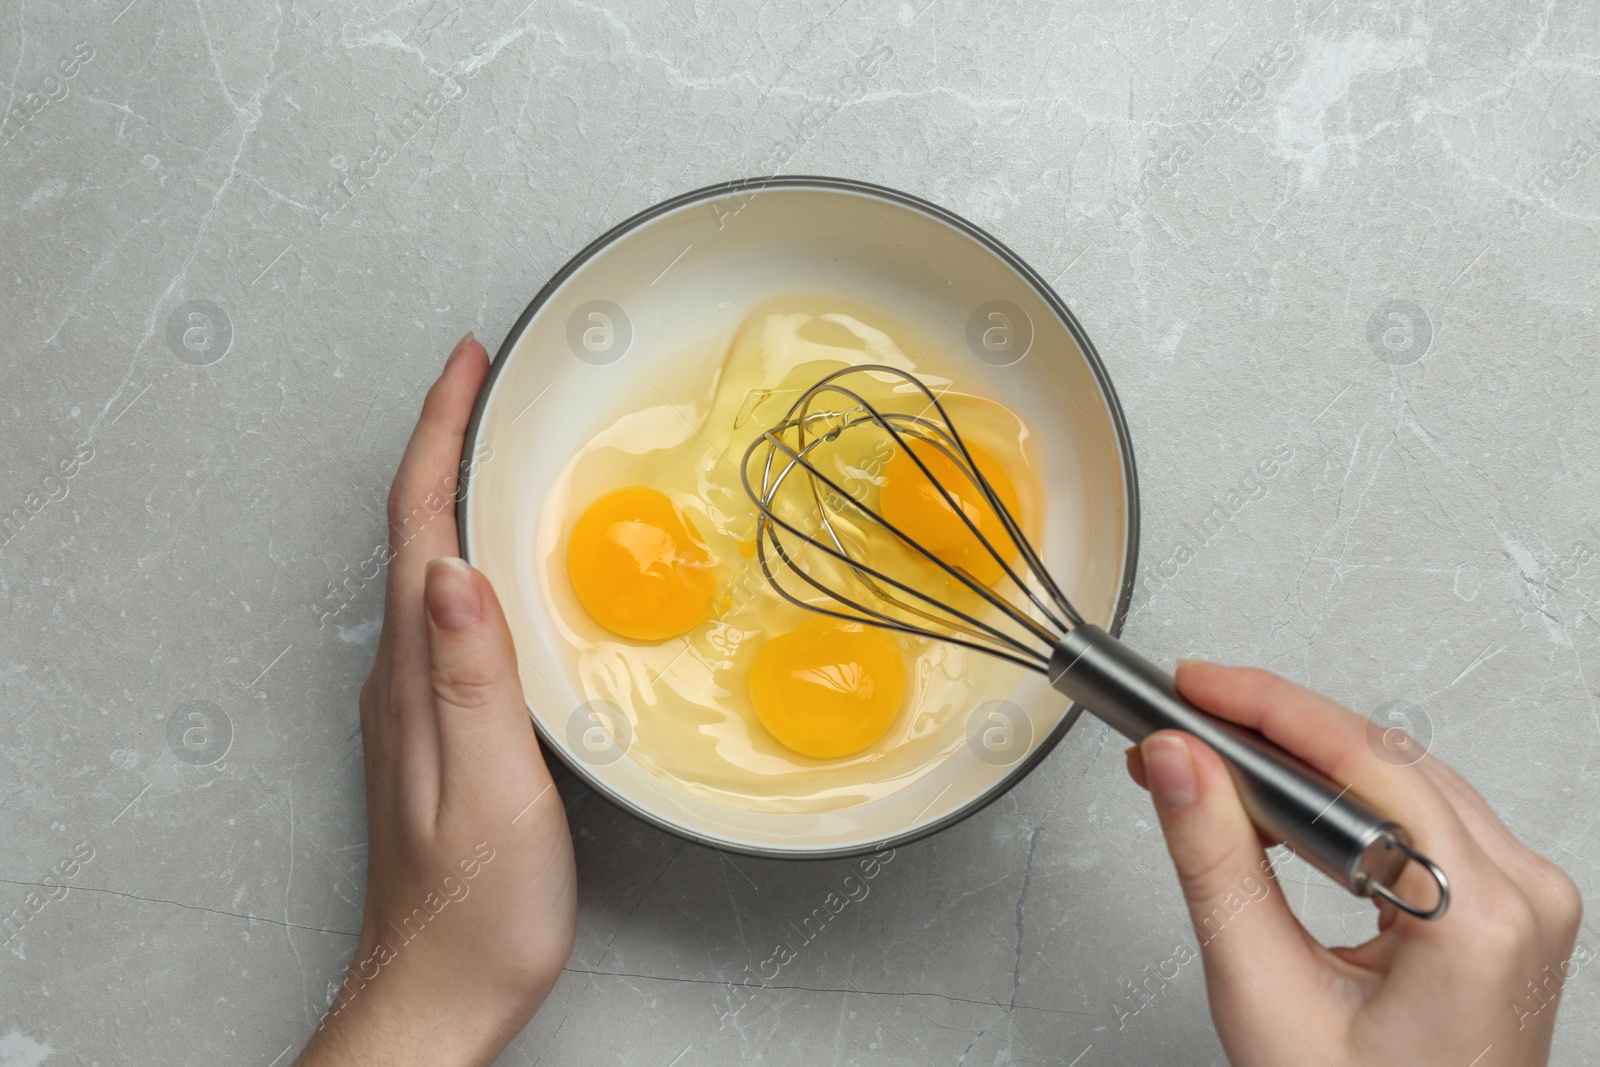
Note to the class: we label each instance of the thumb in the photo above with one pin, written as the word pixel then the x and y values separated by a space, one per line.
pixel 1239 912
pixel 489 757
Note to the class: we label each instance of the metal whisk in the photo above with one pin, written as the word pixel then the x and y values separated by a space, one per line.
pixel 821 545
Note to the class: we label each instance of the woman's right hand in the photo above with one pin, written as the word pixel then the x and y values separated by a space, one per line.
pixel 1479 986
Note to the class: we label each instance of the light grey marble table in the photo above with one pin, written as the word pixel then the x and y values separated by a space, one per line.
pixel 237 240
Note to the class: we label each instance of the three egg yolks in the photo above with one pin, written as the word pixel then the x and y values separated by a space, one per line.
pixel 913 504
pixel 828 688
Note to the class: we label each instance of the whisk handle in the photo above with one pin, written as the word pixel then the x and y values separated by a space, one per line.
pixel 1323 823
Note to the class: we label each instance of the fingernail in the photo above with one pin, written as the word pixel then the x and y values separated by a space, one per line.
pixel 1170 772
pixel 1190 661
pixel 452 594
pixel 461 346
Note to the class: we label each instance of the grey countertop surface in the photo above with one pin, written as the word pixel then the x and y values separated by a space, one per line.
pixel 238 239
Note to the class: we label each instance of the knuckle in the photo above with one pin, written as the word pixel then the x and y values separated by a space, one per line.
pixel 399 503
pixel 458 689
pixel 370 703
pixel 1207 877
pixel 1508 921
pixel 434 413
pixel 1266 685
pixel 434 398
pixel 1565 902
pixel 1261 678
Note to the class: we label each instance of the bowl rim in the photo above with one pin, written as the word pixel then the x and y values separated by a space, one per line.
pixel 1046 293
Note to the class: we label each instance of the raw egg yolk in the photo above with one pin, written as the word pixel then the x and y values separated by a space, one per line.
pixel 915 506
pixel 638 566
pixel 828 688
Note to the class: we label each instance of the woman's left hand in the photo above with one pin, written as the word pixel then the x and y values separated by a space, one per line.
pixel 471 901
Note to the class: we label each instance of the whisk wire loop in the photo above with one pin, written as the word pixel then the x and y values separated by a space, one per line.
pixel 945 427
pixel 810 429
pixel 872 574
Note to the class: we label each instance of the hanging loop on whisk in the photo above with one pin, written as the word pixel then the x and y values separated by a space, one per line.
pixel 1376 888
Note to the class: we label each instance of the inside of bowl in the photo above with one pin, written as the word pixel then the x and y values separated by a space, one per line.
pixel 609 337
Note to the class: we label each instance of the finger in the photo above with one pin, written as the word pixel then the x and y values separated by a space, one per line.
pixel 1239 914
pixel 1486 827
pixel 1136 771
pixel 422 501
pixel 1541 880
pixel 1332 739
pixel 489 758
pixel 422 521
pixel 1476 815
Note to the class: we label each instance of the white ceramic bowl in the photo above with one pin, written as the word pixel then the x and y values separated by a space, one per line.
pixel 609 323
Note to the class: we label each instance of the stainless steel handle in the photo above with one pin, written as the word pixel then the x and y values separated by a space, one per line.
pixel 1289 801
